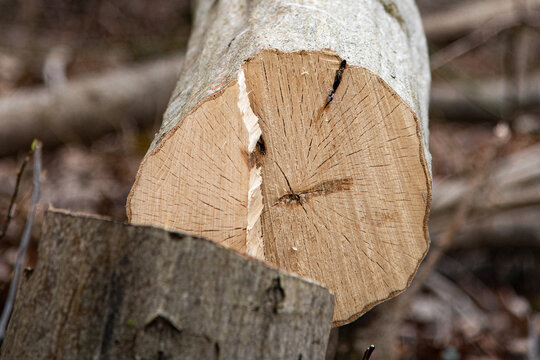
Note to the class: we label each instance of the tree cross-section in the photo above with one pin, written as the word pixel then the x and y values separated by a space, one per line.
pixel 297 134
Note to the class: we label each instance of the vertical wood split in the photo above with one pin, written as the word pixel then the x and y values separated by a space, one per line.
pixel 254 240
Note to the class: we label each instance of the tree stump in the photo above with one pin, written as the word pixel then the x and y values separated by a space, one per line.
pixel 297 134
pixel 106 290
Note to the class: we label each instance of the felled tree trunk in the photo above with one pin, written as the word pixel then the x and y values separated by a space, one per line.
pixel 297 134
pixel 86 108
pixel 105 290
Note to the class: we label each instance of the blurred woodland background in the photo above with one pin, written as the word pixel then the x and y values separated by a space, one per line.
pixel 92 79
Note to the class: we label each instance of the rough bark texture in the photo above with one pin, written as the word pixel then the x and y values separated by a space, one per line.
pixel 383 36
pixel 86 108
pixel 298 135
pixel 114 291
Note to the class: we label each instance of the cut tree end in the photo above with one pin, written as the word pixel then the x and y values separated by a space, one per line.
pixel 305 162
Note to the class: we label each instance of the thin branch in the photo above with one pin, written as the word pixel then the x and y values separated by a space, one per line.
pixel 25 240
pixel 15 192
pixel 368 352
pixel 469 42
pixel 477 38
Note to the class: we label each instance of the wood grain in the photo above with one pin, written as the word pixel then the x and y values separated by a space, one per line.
pixel 298 134
pixel 345 185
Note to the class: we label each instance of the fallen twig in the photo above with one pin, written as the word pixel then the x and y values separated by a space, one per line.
pixel 368 352
pixel 25 240
pixel 15 192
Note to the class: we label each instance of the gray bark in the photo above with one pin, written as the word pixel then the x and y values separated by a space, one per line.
pixel 114 291
pixel 383 36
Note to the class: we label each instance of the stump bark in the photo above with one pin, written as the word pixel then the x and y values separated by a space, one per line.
pixel 106 290
pixel 297 134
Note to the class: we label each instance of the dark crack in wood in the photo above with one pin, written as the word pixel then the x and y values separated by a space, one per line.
pixel 337 81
